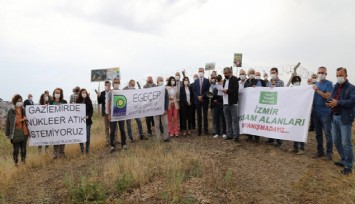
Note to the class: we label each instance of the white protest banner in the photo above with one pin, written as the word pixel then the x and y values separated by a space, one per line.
pixel 56 124
pixel 280 113
pixel 137 103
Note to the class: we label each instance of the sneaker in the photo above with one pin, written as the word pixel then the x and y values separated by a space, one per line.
pixel 318 155
pixel 112 149
pixel 224 136
pixel 346 171
pixel 300 152
pixel 215 136
pixel 293 150
pixel 328 157
pixel 339 163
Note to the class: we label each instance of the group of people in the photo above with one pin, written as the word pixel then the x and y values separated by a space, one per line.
pixel 332 112
pixel 16 126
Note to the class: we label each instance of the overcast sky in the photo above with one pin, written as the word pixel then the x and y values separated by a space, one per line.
pixel 46 44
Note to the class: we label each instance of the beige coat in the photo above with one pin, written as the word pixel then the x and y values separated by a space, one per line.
pixel 173 93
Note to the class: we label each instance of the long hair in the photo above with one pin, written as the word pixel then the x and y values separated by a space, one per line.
pixel 80 99
pixel 61 94
pixel 169 81
pixel 42 101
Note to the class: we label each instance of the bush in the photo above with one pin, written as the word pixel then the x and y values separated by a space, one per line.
pixel 85 192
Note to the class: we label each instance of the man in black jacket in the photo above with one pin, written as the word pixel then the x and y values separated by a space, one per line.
pixel 101 99
pixel 230 104
pixel 28 101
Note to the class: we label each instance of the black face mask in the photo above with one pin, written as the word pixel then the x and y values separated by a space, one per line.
pixel 226 77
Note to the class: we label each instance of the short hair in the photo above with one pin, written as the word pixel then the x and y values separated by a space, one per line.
pixel 322 67
pixel 131 81
pixel 342 68
pixel 296 78
pixel 227 69
pixel 15 98
pixel 251 69
pixel 274 69
pixel 107 82
pixel 159 78
pixel 76 89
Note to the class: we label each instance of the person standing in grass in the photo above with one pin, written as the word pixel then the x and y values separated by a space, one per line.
pixel 186 98
pixel 58 100
pixel 44 100
pixel 102 99
pixel 174 106
pixel 16 129
pixel 84 98
pixel 163 118
pixel 113 124
pixel 298 147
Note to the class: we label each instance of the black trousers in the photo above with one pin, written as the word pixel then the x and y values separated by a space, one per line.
pixel 113 126
pixel 186 117
pixel 202 108
pixel 19 148
pixel 149 122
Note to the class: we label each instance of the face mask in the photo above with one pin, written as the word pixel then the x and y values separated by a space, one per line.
pixel 18 104
pixel 116 86
pixel 340 80
pixel 296 83
pixel 321 77
pixel 201 74
pixel 195 78
pixel 226 77
pixel 252 76
pixel 314 81
pixel 213 80
pixel 177 78
pixel 172 82
pixel 31 98
pixel 186 83
pixel 273 76
pixel 257 77
pixel 57 96
pixel 161 83
pixel 84 95
pixel 46 98
pixel 242 76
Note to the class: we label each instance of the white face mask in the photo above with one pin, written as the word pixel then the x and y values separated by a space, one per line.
pixel 173 83
pixel 31 98
pixel 257 77
pixel 46 98
pixel 57 96
pixel 213 80
pixel 161 83
pixel 296 83
pixel 83 95
pixel 186 83
pixel 242 76
pixel 116 86
pixel 201 74
pixel 252 76
pixel 314 81
pixel 273 76
pixel 321 77
pixel 340 80
pixel 177 78
pixel 18 104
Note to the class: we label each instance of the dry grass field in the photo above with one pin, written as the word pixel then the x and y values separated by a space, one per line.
pixel 187 170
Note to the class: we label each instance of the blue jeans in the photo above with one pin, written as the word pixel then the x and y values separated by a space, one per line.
pixel 129 128
pixel 88 128
pixel 219 122
pixel 342 140
pixel 232 120
pixel 322 121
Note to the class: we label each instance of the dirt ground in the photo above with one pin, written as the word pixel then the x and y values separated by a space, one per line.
pixel 260 173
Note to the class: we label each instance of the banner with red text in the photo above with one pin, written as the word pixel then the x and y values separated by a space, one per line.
pixel 280 113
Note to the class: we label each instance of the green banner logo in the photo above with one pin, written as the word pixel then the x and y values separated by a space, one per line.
pixel 269 98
